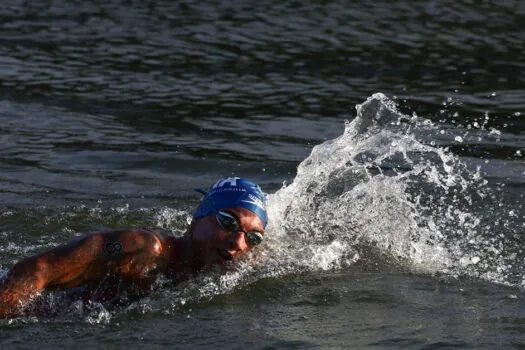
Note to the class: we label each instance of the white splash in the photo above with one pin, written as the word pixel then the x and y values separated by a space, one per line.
pixel 377 186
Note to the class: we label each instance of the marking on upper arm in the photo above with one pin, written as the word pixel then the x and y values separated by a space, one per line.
pixel 112 247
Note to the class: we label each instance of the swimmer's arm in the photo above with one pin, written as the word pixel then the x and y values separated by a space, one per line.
pixel 68 266
pixel 64 265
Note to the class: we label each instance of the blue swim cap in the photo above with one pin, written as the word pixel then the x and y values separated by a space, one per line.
pixel 233 192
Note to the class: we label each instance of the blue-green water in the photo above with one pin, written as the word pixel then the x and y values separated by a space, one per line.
pixel 397 225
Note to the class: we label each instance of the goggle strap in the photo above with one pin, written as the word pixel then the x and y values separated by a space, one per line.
pixel 201 191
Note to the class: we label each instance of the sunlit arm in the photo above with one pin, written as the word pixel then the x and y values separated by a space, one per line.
pixel 63 266
pixel 128 254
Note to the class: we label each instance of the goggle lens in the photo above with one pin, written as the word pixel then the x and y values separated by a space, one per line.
pixel 253 238
pixel 227 222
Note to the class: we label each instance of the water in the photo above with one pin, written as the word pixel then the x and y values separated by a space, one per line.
pixel 396 224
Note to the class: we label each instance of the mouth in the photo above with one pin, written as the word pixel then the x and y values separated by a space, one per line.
pixel 224 254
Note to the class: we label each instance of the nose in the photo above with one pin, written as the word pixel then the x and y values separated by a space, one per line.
pixel 237 241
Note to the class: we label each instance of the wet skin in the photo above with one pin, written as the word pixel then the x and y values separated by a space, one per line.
pixel 126 261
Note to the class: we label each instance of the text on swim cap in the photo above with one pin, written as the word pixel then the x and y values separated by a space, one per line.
pixel 231 180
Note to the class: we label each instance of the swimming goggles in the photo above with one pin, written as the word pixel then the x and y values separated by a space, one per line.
pixel 230 224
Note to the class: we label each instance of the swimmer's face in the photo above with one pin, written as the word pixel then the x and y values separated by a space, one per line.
pixel 215 242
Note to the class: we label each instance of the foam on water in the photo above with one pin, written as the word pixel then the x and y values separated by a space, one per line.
pixel 378 186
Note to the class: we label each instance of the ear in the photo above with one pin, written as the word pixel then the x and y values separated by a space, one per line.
pixel 193 225
pixel 190 228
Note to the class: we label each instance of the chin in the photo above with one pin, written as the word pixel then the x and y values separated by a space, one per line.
pixel 220 262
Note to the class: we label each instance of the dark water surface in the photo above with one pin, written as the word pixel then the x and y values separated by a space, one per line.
pixel 401 233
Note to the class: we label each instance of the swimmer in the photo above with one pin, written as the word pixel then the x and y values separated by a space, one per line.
pixel 229 222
